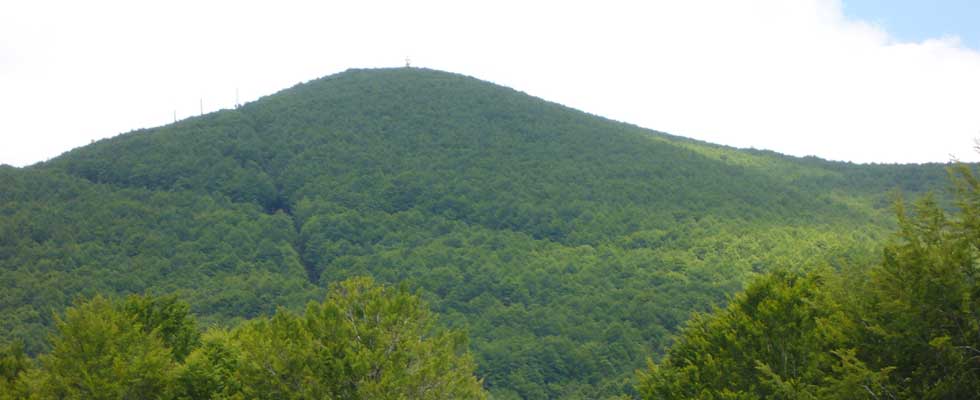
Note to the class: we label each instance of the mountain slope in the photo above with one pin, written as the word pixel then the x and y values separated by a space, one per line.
pixel 570 246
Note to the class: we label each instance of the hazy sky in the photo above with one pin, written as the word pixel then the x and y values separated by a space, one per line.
pixel 861 80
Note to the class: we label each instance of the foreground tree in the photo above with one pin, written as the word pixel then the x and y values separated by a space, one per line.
pixel 924 314
pixel 908 328
pixel 365 341
pixel 167 318
pixel 781 338
pixel 13 362
pixel 99 352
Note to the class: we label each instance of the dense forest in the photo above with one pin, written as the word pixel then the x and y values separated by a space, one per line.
pixel 568 248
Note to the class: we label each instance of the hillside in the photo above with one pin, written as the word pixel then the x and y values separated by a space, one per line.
pixel 569 246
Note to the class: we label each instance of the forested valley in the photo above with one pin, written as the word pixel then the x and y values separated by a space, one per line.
pixel 410 233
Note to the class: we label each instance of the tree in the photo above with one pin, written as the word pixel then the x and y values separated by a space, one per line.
pixel 209 371
pixel 924 314
pixel 909 327
pixel 100 353
pixel 13 363
pixel 365 341
pixel 779 339
pixel 167 318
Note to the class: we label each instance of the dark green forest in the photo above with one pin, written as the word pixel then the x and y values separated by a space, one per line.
pixel 569 249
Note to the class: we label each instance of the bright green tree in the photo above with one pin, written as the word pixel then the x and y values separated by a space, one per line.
pixel 99 352
pixel 13 363
pixel 167 318
pixel 775 340
pixel 208 372
pixel 389 346
pixel 365 341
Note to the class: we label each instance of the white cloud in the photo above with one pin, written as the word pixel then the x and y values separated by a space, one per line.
pixel 791 76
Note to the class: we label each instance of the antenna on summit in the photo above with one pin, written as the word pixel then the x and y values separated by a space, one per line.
pixel 408 62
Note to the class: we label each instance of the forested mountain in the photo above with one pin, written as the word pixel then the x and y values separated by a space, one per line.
pixel 569 247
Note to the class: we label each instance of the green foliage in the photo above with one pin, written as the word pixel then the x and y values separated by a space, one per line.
pixel 209 371
pixel 925 301
pixel 775 340
pixel 61 237
pixel 167 318
pixel 13 362
pixel 907 328
pixel 100 352
pixel 365 341
pixel 569 246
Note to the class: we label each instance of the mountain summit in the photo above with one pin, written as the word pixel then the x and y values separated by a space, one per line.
pixel 568 245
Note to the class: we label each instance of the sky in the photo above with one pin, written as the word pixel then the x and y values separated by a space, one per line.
pixel 854 80
pixel 917 20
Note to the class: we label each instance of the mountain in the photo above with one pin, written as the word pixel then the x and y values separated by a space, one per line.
pixel 569 246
